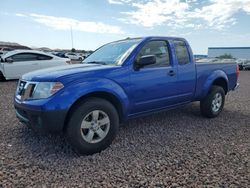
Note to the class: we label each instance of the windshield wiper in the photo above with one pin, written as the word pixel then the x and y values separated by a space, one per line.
pixel 96 62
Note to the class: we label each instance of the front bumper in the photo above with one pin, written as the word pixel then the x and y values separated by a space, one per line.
pixel 41 121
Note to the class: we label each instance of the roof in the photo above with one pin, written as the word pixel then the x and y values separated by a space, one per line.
pixel 25 51
pixel 151 37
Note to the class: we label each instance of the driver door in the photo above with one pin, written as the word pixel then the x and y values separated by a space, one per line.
pixel 154 86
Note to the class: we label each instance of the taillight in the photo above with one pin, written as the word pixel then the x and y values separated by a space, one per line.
pixel 237 71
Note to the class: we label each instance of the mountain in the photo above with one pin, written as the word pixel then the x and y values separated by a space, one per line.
pixel 12 45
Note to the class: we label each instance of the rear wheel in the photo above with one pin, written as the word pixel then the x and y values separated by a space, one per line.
pixel 213 104
pixel 92 126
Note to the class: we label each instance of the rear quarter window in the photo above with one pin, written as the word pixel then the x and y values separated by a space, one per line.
pixel 43 57
pixel 181 52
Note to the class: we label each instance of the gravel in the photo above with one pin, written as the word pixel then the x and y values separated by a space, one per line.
pixel 169 149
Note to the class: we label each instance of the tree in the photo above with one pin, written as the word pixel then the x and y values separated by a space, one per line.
pixel 73 50
pixel 226 56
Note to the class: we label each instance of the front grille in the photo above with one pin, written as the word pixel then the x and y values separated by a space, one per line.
pixel 25 89
pixel 21 87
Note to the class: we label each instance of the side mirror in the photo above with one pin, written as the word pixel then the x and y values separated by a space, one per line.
pixel 9 60
pixel 145 60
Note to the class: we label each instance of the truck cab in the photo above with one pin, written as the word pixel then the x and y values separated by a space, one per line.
pixel 174 70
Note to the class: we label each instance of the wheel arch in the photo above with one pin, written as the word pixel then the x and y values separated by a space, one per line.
pixel 98 94
pixel 218 78
pixel 222 83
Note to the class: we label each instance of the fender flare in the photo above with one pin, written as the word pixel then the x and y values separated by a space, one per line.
pixel 82 88
pixel 218 74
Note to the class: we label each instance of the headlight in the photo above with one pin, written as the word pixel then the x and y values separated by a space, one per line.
pixel 46 89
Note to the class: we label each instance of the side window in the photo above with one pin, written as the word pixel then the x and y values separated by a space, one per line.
pixel 24 57
pixel 43 57
pixel 157 48
pixel 181 52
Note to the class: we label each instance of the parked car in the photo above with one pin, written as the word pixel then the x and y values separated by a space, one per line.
pixel 61 54
pixel 240 63
pixel 74 56
pixel 15 63
pixel 119 81
pixel 207 60
pixel 51 53
pixel 5 50
pixel 227 60
pixel 83 56
pixel 246 65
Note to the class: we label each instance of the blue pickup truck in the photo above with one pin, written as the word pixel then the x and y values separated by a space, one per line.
pixel 120 80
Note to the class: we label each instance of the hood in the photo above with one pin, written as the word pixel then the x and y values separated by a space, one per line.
pixel 58 72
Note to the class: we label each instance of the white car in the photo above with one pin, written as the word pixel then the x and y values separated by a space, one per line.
pixel 246 65
pixel 18 62
pixel 207 60
pixel 5 50
pixel 74 56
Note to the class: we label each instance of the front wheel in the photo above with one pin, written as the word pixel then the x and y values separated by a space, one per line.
pixel 2 78
pixel 92 126
pixel 213 103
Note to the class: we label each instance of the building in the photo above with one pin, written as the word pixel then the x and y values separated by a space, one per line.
pixel 236 52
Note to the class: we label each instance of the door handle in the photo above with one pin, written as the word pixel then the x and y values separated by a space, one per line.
pixel 171 73
pixel 34 64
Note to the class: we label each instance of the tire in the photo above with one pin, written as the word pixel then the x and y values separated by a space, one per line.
pixel 211 106
pixel 80 59
pixel 83 115
pixel 2 78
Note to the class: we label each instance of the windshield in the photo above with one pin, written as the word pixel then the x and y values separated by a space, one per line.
pixel 112 53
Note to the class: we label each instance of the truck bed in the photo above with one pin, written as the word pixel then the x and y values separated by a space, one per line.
pixel 205 71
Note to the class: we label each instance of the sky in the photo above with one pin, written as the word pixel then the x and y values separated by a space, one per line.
pixel 48 23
